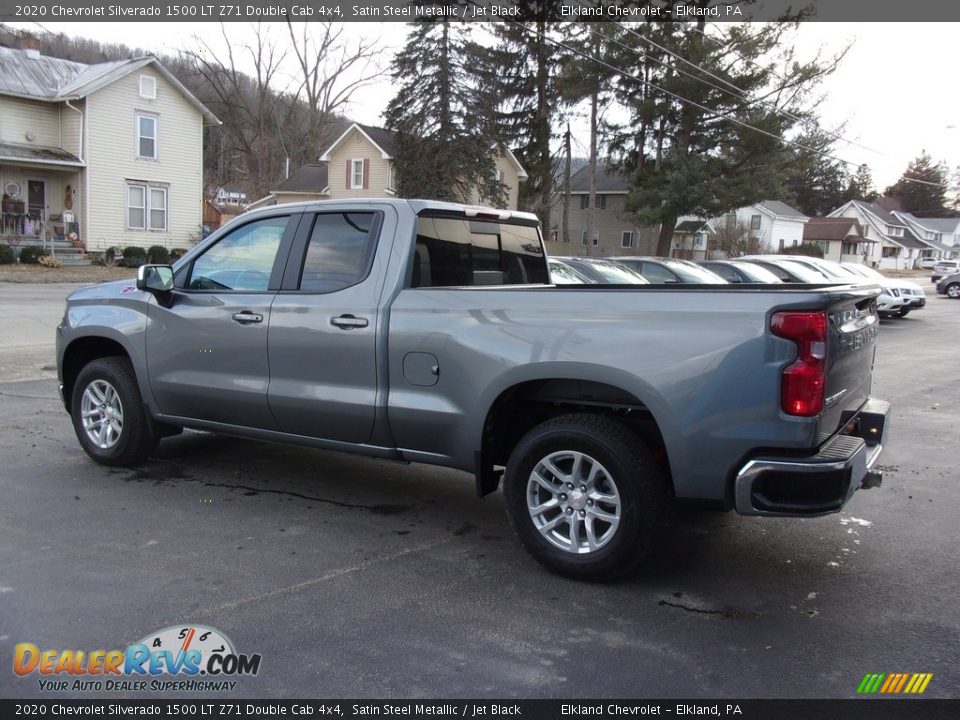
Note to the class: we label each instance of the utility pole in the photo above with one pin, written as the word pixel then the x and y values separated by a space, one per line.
pixel 565 220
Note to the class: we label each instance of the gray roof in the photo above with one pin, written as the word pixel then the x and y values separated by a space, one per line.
pixel 780 208
pixel 37 153
pixel 887 217
pixel 382 137
pixel 910 240
pixel 941 225
pixel 311 178
pixel 52 79
pixel 608 180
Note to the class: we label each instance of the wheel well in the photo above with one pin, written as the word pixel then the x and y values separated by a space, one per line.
pixel 82 351
pixel 522 407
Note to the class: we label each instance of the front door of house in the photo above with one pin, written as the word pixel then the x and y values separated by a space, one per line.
pixel 36 199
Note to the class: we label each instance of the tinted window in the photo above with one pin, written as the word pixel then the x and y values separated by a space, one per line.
pixel 241 260
pixel 461 252
pixel 616 274
pixel 727 272
pixel 755 273
pixel 657 273
pixel 338 253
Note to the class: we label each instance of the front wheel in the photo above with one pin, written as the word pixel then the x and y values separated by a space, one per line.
pixel 585 496
pixel 953 290
pixel 903 312
pixel 108 415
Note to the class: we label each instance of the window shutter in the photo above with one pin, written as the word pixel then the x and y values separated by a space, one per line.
pixel 348 174
pixel 366 173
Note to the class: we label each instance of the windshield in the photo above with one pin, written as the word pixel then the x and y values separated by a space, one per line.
pixel 864 271
pixel 561 274
pixel 618 274
pixel 806 273
pixel 694 273
pixel 756 273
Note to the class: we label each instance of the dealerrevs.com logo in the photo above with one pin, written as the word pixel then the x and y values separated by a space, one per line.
pixel 177 658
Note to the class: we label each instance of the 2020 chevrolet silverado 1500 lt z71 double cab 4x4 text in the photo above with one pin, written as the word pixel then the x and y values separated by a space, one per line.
pixel 429 332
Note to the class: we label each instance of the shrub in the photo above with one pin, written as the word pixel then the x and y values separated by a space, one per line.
pixel 158 255
pixel 177 253
pixel 134 256
pixel 6 255
pixel 31 254
pixel 49 261
pixel 807 248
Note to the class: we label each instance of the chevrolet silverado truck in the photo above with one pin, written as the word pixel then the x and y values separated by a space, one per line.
pixel 429 332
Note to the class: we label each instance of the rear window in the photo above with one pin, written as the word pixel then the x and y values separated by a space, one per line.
pixel 460 252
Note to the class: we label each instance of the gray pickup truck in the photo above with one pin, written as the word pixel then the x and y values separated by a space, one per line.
pixel 429 332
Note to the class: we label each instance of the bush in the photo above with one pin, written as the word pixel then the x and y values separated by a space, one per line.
pixel 134 256
pixel 31 254
pixel 177 253
pixel 808 249
pixel 6 255
pixel 158 255
pixel 49 261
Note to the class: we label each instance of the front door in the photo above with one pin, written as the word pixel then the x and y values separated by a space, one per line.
pixel 37 199
pixel 207 351
pixel 323 326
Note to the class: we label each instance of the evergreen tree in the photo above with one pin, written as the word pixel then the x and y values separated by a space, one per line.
pixel 443 117
pixel 861 186
pixel 922 189
pixel 816 183
pixel 684 159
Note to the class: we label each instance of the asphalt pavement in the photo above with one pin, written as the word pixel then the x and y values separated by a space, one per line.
pixel 355 577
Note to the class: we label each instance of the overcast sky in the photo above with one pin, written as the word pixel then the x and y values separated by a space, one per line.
pixel 895 90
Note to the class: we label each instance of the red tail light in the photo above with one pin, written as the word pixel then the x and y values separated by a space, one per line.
pixel 802 384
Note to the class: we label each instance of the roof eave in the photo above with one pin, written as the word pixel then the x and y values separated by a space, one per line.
pixel 329 151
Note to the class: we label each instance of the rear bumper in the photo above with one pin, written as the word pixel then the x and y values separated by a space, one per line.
pixel 821 483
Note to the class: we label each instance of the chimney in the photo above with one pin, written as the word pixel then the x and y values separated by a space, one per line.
pixel 31 45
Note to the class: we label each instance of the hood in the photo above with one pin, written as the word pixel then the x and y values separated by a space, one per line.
pixel 114 288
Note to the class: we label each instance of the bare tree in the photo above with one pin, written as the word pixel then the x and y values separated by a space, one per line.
pixel 733 239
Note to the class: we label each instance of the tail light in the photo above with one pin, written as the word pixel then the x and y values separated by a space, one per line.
pixel 803 382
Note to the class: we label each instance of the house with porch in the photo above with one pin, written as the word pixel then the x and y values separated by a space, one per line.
pixel 942 235
pixel 841 239
pixel 94 156
pixel 897 247
pixel 359 163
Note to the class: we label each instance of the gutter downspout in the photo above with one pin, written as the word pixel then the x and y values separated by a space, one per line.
pixel 82 172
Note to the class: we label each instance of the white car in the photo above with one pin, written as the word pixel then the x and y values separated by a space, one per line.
pixel 913 295
pixel 944 267
pixel 926 263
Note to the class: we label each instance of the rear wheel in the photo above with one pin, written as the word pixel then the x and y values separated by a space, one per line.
pixel 585 496
pixel 108 415
pixel 953 290
pixel 903 312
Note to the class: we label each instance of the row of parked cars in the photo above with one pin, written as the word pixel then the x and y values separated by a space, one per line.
pixel 898 297
pixel 946 276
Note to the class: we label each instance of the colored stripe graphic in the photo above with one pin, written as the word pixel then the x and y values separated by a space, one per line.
pixel 894 683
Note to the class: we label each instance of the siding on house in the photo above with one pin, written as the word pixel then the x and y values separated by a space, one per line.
pixel 610 223
pixel 509 177
pixel 71 128
pixel 356 147
pixel 112 161
pixel 20 116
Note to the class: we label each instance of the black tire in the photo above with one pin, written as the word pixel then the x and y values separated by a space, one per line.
pixel 903 312
pixel 134 441
pixel 636 477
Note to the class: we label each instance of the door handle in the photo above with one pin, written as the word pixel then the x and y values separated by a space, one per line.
pixel 245 317
pixel 349 322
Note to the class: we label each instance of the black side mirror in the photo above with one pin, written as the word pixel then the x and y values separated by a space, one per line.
pixel 156 279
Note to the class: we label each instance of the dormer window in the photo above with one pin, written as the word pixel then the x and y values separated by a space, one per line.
pixel 148 87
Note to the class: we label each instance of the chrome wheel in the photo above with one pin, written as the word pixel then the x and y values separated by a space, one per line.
pixel 102 414
pixel 953 291
pixel 573 502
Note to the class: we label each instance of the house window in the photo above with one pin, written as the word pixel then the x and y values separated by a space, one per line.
pixel 754 222
pixel 596 238
pixel 601 202
pixel 356 174
pixel 146 207
pixel 392 176
pixel 583 237
pixel 626 239
pixel 891 252
pixel 148 87
pixel 584 203
pixel 146 136
pixel 731 220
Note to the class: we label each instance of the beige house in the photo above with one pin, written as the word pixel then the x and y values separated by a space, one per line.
pixel 93 156
pixel 359 163
pixel 614 232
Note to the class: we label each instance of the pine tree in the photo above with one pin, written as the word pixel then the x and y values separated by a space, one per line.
pixel 816 183
pixel 442 117
pixel 922 189
pixel 861 186
pixel 684 159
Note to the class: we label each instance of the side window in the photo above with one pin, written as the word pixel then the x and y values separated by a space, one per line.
pixel 242 260
pixel 339 251
pixel 454 252
pixel 657 274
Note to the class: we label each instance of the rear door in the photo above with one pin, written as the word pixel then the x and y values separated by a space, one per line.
pixel 207 351
pixel 323 325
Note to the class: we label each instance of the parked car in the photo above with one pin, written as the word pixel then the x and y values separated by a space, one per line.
pixel 788 270
pixel 949 285
pixel 926 263
pixel 603 272
pixel 914 296
pixel 425 331
pixel 563 274
pixel 943 268
pixel 660 270
pixel 739 271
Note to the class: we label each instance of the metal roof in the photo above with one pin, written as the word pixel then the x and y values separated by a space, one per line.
pixel 50 79
pixel 781 208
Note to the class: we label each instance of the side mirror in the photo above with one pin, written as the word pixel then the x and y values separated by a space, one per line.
pixel 155 278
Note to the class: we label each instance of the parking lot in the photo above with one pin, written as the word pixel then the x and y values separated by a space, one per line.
pixel 355 577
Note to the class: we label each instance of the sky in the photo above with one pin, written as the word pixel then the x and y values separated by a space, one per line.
pixel 894 92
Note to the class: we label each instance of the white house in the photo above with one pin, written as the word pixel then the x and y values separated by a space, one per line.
pixel 230 195
pixel 100 155
pixel 942 235
pixel 898 247
pixel 771 225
